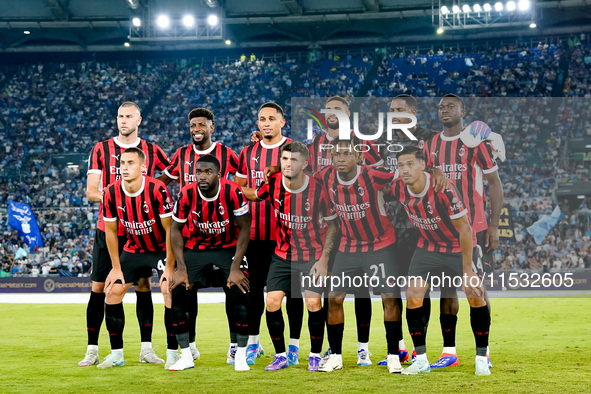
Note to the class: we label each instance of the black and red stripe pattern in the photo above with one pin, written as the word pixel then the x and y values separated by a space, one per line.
pixel 139 214
pixel 301 215
pixel 105 160
pixel 432 214
pixel 252 163
pixel 359 205
pixel 211 221
pixel 464 166
pixel 320 153
pixel 182 168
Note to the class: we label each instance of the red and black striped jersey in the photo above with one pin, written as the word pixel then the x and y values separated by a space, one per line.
pixel 464 166
pixel 432 214
pixel 105 158
pixel 253 160
pixel 320 153
pixel 301 215
pixel 211 221
pixel 182 168
pixel 360 207
pixel 139 213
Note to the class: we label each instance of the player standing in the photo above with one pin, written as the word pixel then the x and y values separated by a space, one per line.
pixel 465 167
pixel 183 170
pixel 142 206
pixel 217 215
pixel 103 169
pixel 252 163
pixel 444 247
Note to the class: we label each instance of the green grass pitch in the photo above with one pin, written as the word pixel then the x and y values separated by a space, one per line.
pixel 537 345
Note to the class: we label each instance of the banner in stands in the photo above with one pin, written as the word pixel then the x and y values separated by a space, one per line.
pixel 506 227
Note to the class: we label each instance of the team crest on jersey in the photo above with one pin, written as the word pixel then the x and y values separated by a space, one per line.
pixel 360 191
pixel 146 208
pixel 430 209
pixel 307 206
pixel 221 209
pixel 462 151
pixel 454 200
pixel 421 144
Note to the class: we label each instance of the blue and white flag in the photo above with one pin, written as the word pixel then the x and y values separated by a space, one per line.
pixel 20 253
pixel 542 227
pixel 22 219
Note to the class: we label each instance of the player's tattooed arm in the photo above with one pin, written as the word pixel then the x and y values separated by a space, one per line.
pixel 92 188
pixel 320 268
pixel 170 260
pixel 178 243
pixel 236 276
pixel 113 246
pixel 496 205
pixel 440 182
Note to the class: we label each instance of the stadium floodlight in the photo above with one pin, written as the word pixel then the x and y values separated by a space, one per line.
pixel 137 22
pixel 455 9
pixel 213 20
pixel 126 44
pixel 228 42
pixel 444 10
pixel 498 6
pixel 477 8
pixel 27 32
pixel 533 25
pixel 163 21
pixel 188 20
pixel 523 5
pixel 511 6
pixel 581 196
pixel 486 7
pixel 466 8
pixel 440 30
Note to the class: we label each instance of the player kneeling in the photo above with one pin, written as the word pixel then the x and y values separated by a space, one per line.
pixel 444 247
pixel 216 213
pixel 143 207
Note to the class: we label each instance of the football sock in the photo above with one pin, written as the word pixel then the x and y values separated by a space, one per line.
pixel 316 328
pixel 193 308
pixel 416 328
pixel 393 330
pixel 115 320
pixel 480 322
pixel 276 326
pixel 171 342
pixel 295 315
pixel 145 314
pixel 448 329
pixel 335 337
pixel 95 313
pixel 363 317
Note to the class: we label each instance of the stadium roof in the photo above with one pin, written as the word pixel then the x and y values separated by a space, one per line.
pixel 105 25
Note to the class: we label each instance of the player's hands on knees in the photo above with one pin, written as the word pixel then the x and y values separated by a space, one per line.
pixel 472 285
pixel 237 278
pixel 114 276
pixel 319 271
pixel 256 137
pixel 165 280
pixel 440 182
pixel 178 278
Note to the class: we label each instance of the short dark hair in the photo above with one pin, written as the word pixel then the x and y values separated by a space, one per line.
pixel 210 159
pixel 131 104
pixel 352 142
pixel 410 101
pixel 296 147
pixel 337 98
pixel 458 98
pixel 201 113
pixel 271 104
pixel 138 152
pixel 413 150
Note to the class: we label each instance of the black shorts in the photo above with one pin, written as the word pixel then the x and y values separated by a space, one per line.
pixel 101 261
pixel 353 272
pixel 482 262
pixel 406 244
pixel 259 255
pixel 286 276
pixel 201 264
pixel 426 264
pixel 141 265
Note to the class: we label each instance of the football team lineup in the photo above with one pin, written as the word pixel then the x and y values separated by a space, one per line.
pixel 239 235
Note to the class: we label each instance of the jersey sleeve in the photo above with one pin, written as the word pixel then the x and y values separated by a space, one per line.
pixel 233 165
pixel 485 158
pixel 451 200
pixel 161 160
pixel 109 206
pixel 174 169
pixel 264 192
pixel 239 203
pixel 327 210
pixel 372 156
pixel 397 189
pixel 164 202
pixel 95 161
pixel 426 152
pixel 182 208
pixel 312 162
pixel 380 177
pixel 243 164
